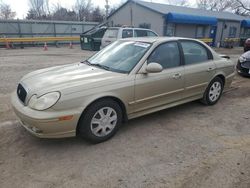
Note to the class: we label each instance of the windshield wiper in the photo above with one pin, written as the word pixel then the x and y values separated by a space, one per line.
pixel 100 66
pixel 96 65
pixel 86 62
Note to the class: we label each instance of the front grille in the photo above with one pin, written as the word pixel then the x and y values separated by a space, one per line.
pixel 21 93
pixel 246 65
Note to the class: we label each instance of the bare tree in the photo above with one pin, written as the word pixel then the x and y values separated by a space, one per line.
pixel 61 13
pixel 114 7
pixel 31 15
pixel 39 8
pixel 178 2
pixel 47 7
pixel 215 5
pixel 83 9
pixel 6 12
pixel 241 7
pixel 97 15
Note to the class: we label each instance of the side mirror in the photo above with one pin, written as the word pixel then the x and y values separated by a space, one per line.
pixel 154 68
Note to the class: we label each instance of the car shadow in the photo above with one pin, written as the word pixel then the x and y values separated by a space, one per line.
pixel 125 131
pixel 176 112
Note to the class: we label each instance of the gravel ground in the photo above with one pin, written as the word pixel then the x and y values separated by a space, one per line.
pixel 187 146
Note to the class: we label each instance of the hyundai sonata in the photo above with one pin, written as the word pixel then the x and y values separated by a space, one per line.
pixel 127 79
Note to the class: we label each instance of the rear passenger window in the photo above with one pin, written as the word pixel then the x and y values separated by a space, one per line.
pixel 194 52
pixel 126 33
pixel 140 33
pixel 166 54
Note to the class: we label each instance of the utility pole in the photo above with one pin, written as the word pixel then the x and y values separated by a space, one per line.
pixel 131 14
pixel 107 9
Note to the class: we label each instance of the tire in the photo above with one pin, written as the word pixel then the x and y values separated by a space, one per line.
pixel 213 93
pixel 96 125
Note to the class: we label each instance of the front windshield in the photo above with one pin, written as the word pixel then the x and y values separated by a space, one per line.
pixel 120 56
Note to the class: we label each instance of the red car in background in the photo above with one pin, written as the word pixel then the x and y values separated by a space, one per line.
pixel 247 45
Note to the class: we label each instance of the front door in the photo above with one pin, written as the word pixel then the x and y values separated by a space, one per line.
pixel 158 89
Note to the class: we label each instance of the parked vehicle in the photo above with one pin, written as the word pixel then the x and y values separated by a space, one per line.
pixel 243 65
pixel 247 45
pixel 114 33
pixel 91 40
pixel 127 79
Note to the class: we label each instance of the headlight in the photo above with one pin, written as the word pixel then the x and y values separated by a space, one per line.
pixel 242 59
pixel 45 101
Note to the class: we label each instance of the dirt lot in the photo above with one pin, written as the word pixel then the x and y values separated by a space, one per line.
pixel 187 146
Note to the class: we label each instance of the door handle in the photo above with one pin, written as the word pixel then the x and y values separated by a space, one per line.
pixel 177 76
pixel 210 69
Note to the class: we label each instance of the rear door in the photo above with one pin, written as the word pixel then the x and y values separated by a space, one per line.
pixel 199 67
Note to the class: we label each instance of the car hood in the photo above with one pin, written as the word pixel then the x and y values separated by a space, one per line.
pixel 246 55
pixel 71 77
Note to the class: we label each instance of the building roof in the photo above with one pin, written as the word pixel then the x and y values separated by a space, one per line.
pixel 165 9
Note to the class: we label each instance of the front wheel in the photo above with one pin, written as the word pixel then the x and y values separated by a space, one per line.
pixel 100 121
pixel 213 92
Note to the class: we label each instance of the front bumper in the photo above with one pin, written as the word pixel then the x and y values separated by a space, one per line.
pixel 46 124
pixel 243 70
pixel 246 48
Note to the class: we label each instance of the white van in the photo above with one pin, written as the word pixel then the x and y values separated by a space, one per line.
pixel 114 33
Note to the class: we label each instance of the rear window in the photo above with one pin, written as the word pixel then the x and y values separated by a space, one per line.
pixel 151 34
pixel 144 33
pixel 111 33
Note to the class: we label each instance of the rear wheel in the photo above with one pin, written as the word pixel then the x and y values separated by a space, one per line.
pixel 213 92
pixel 100 121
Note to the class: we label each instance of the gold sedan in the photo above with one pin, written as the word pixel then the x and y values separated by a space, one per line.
pixel 125 80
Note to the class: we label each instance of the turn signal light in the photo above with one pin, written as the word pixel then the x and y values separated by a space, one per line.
pixel 65 118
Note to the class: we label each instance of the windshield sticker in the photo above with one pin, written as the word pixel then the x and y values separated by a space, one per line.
pixel 141 44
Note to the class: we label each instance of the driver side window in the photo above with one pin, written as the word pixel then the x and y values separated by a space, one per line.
pixel 167 55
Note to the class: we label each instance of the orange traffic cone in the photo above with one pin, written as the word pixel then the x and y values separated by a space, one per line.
pixel 70 45
pixel 45 48
pixel 7 45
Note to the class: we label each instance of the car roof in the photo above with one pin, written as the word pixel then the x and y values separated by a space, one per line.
pixel 128 28
pixel 156 39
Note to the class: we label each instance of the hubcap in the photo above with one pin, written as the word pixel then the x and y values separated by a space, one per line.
pixel 215 91
pixel 104 121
